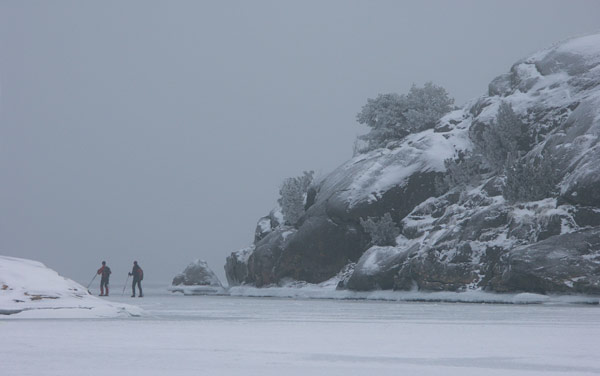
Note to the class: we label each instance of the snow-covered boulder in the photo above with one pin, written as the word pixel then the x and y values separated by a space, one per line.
pixel 377 268
pixel 28 289
pixel 197 278
pixel 268 223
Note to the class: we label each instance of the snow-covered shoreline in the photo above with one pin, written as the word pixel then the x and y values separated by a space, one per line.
pixel 28 289
pixel 199 290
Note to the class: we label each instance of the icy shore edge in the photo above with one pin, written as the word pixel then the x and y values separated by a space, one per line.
pixel 319 292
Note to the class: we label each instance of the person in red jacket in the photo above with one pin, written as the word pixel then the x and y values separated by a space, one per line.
pixel 105 272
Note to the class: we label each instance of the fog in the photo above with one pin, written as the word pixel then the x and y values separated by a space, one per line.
pixel 161 131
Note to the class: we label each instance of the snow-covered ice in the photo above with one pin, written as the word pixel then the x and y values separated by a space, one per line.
pixel 225 335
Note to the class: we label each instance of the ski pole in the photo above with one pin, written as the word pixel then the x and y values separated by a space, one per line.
pixel 89 284
pixel 124 286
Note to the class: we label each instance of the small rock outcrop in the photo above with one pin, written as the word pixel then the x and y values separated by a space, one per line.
pixel 197 278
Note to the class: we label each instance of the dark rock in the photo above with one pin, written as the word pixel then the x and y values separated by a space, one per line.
pixel 550 226
pixel 443 128
pixel 568 263
pixel 557 61
pixel 522 230
pixel 491 265
pixel 463 254
pixel 377 269
pixel 236 266
pixel 488 219
pixel 429 273
pixel 318 250
pixel 586 191
pixel 311 197
pixel 412 232
pixel 261 261
pixel 263 228
pixel 500 85
pixel 399 200
pixel 267 224
pixel 587 216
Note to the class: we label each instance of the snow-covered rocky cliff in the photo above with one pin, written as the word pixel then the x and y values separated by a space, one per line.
pixel 480 234
pixel 28 289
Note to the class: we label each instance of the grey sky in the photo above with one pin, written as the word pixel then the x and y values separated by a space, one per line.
pixel 160 131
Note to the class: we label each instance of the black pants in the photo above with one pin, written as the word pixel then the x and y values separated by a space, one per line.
pixel 139 285
pixel 103 285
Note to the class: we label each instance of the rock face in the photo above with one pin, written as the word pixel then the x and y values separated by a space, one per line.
pixel 466 236
pixel 562 263
pixel 197 273
pixel 329 235
pixel 236 266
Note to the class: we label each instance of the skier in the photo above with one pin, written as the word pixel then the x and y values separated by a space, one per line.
pixel 138 275
pixel 105 272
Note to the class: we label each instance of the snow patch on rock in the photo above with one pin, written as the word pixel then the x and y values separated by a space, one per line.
pixel 382 169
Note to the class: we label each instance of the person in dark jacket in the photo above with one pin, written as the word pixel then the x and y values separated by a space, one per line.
pixel 138 275
pixel 105 272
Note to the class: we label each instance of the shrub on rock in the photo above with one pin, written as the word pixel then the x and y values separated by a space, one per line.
pixel 383 231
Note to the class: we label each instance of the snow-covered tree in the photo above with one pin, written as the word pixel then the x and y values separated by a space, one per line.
pixel 392 117
pixel 463 171
pixel 385 116
pixel 503 140
pixel 293 196
pixel 531 180
pixel 426 105
pixel 383 231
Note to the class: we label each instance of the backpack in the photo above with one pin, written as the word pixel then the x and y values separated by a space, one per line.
pixel 140 274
